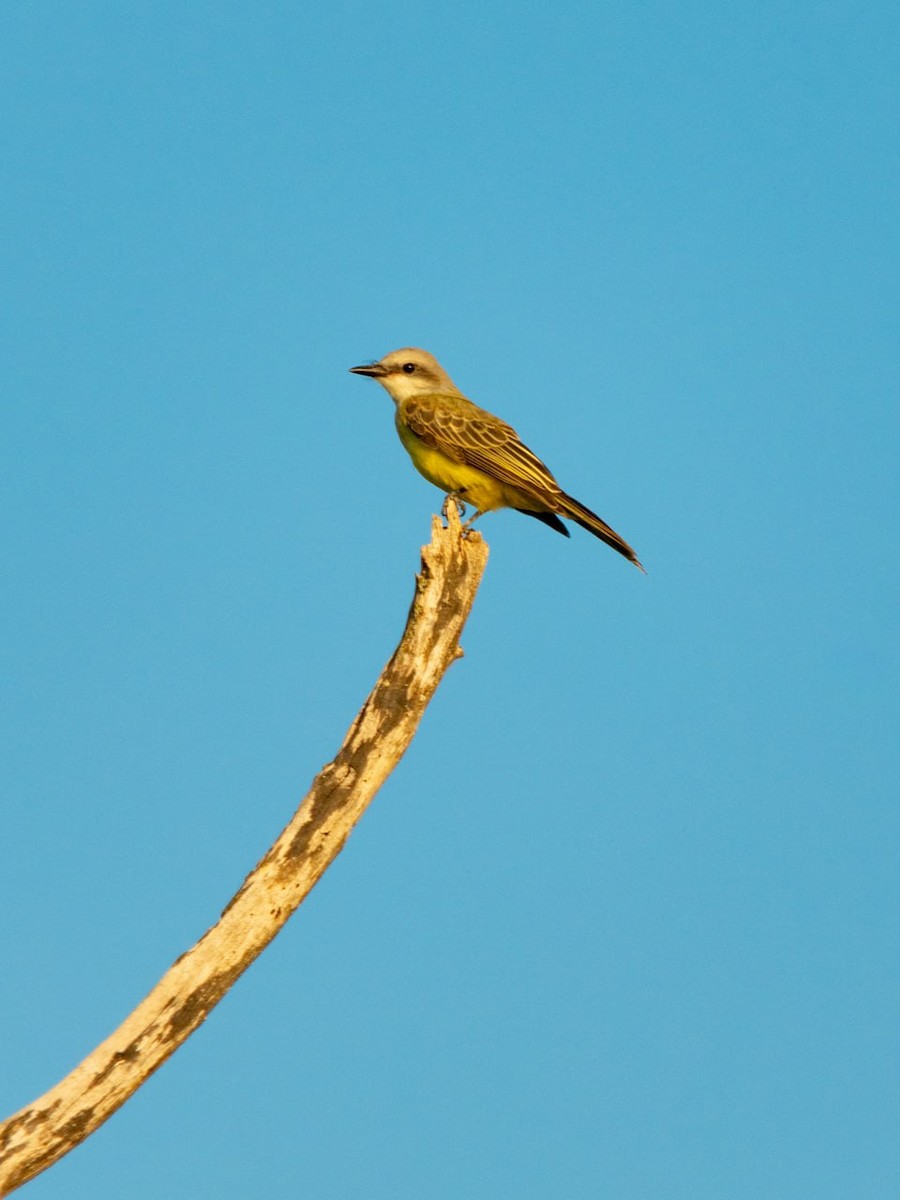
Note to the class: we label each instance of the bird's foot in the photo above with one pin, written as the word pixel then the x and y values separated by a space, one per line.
pixel 457 500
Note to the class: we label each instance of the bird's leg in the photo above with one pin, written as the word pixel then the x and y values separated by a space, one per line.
pixel 471 521
pixel 456 497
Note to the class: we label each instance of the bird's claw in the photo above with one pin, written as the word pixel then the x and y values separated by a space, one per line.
pixel 460 507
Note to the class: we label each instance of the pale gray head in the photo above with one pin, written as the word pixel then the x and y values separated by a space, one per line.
pixel 408 372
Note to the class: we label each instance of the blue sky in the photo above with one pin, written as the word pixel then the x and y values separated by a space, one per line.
pixel 624 922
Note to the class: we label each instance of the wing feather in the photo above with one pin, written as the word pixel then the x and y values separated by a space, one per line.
pixel 468 434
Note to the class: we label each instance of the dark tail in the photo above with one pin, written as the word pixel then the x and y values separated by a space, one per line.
pixel 548 519
pixel 592 523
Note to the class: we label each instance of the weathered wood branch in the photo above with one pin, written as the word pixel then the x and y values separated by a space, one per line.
pixel 34 1138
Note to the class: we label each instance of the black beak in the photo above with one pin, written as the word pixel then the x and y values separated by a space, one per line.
pixel 374 370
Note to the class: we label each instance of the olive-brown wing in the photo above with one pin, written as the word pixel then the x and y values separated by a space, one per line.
pixel 470 435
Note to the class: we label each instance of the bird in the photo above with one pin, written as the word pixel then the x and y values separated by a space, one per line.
pixel 472 455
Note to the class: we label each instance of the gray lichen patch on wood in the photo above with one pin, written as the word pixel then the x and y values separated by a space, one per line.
pixel 37 1136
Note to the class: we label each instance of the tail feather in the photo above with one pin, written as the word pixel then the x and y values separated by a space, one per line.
pixel 588 520
pixel 548 518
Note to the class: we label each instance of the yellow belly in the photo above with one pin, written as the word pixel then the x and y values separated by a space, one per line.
pixel 477 488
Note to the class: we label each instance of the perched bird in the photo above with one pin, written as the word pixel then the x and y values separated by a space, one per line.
pixel 472 455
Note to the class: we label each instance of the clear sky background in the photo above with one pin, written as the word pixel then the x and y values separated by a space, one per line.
pixel 624 923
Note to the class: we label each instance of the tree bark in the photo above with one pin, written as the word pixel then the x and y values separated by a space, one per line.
pixel 37 1136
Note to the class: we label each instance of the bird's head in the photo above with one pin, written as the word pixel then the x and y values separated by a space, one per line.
pixel 408 372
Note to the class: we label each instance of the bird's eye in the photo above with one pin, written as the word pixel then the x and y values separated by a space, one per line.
pixel 409 368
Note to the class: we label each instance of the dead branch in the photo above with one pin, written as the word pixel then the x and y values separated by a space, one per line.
pixel 34 1138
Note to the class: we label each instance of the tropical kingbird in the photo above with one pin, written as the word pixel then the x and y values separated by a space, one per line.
pixel 472 455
